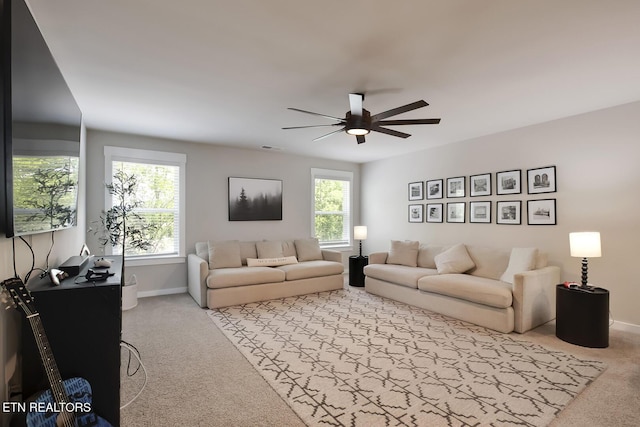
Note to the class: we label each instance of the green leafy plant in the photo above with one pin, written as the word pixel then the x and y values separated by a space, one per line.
pixel 122 226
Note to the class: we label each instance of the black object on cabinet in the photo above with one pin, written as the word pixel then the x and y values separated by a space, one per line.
pixel 83 322
pixel 582 316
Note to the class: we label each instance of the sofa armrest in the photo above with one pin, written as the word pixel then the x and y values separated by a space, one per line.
pixel 534 297
pixel 378 257
pixel 331 255
pixel 197 272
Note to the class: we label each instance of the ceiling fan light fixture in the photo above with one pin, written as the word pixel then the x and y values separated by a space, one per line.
pixel 357 131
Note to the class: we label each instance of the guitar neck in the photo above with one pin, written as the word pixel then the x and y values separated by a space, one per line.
pixel 50 366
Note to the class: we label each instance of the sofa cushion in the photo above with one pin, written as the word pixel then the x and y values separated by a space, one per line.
pixel 224 254
pixel 307 269
pixel 271 262
pixel 202 250
pixel 490 262
pixel 308 249
pixel 427 254
pixel 403 253
pixel 269 249
pixel 456 259
pixel 521 259
pixel 243 276
pixel 398 274
pixel 289 248
pixel 480 290
pixel 247 250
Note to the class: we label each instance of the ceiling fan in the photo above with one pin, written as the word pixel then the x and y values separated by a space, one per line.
pixel 359 122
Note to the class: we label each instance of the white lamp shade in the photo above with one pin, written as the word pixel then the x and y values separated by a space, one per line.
pixel 585 244
pixel 360 232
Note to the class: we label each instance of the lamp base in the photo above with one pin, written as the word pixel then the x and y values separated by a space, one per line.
pixel 584 273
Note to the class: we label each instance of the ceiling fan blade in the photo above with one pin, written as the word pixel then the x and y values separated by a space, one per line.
pixel 408 122
pixel 312 126
pixel 390 132
pixel 355 102
pixel 360 139
pixel 318 114
pixel 399 110
pixel 329 134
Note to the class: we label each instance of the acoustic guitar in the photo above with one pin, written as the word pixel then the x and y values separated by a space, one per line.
pixel 67 403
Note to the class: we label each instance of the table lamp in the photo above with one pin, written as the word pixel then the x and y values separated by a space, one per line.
pixel 360 233
pixel 585 245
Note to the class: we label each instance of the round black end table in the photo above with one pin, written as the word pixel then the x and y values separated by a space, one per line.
pixel 582 316
pixel 356 270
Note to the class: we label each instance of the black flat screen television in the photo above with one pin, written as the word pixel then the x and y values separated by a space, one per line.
pixel 41 128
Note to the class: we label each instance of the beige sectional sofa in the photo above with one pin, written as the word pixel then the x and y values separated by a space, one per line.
pixel 228 273
pixel 504 290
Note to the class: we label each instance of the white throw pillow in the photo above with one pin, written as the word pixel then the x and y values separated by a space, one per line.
pixel 403 253
pixel 308 249
pixel 271 262
pixel 224 254
pixel 454 260
pixel 269 249
pixel 521 259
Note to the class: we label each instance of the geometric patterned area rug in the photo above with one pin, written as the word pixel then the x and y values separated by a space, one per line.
pixel 349 358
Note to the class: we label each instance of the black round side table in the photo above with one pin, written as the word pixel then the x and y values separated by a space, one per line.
pixel 582 316
pixel 356 267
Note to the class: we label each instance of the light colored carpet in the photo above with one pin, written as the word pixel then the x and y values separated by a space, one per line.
pixel 198 378
pixel 353 359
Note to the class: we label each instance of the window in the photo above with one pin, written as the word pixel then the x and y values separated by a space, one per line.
pixel 331 207
pixel 160 192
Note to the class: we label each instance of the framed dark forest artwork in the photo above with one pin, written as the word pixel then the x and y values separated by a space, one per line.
pixel 254 199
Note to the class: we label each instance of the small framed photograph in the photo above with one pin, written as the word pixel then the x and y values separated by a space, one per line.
pixel 541 180
pixel 508 212
pixel 480 212
pixel 541 212
pixel 434 212
pixel 415 190
pixel 434 189
pixel 455 212
pixel 508 182
pixel 455 186
pixel 480 185
pixel 416 213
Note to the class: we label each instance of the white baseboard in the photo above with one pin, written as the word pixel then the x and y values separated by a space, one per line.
pixel 626 327
pixel 162 292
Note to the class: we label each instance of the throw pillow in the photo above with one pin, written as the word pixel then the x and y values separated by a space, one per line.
pixel 271 262
pixel 224 254
pixel 269 249
pixel 308 249
pixel 454 260
pixel 521 259
pixel 403 253
pixel 426 255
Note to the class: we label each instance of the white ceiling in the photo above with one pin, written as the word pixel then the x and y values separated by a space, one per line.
pixel 224 72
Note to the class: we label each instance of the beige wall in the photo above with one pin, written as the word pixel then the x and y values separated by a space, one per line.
pixel 208 169
pixel 596 156
pixel 67 243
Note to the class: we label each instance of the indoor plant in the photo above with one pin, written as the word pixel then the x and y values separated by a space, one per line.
pixel 121 225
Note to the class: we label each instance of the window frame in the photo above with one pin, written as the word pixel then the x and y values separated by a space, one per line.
pixel 152 157
pixel 338 175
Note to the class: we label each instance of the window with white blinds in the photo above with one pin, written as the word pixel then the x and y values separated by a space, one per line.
pixel 331 207
pixel 159 196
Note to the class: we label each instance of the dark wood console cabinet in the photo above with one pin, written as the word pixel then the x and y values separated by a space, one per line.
pixel 83 321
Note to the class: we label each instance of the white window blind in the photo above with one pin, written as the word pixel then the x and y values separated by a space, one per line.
pixel 160 193
pixel 331 210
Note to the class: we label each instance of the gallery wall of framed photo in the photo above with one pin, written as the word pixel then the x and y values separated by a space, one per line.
pixel 438 200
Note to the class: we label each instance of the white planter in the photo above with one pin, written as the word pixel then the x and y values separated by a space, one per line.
pixel 129 296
